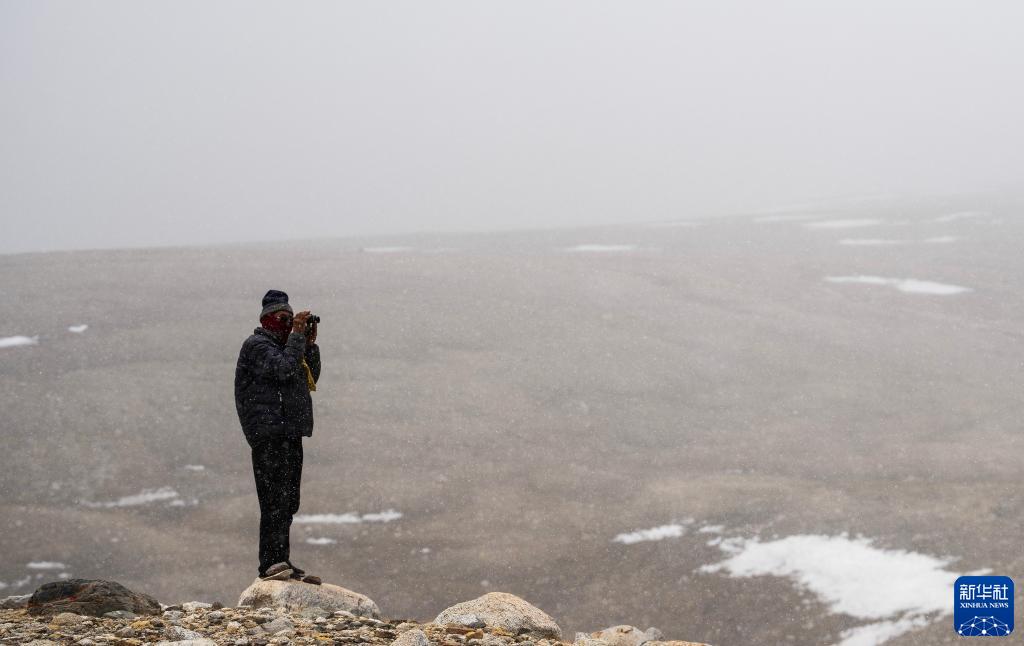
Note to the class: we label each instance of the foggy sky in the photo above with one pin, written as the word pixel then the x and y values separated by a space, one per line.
pixel 153 123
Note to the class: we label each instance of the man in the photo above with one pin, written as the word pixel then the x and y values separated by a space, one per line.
pixel 277 368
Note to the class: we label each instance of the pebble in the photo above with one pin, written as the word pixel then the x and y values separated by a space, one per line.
pixel 279 624
pixel 177 633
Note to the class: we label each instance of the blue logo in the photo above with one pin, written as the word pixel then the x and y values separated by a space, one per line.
pixel 983 606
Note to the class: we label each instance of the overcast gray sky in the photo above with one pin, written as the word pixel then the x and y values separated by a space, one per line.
pixel 192 122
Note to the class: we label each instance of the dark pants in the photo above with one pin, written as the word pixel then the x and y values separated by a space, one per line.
pixel 277 466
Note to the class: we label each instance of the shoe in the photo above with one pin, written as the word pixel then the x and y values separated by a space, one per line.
pixel 296 569
pixel 277 572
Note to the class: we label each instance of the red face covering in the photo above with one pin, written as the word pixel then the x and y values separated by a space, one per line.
pixel 277 328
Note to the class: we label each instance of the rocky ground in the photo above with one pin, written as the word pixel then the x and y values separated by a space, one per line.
pixel 511 622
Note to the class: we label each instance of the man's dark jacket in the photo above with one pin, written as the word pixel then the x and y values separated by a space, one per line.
pixel 271 389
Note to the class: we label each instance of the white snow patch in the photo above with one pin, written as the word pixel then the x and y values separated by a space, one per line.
pixel 382 517
pixel 143 498
pixel 961 215
pixel 712 529
pixel 785 218
pixel 64 575
pixel 78 329
pixel 845 574
pixel 843 224
pixel 13 341
pixel 348 518
pixel 321 541
pixel 386 249
pixel 870 242
pixel 674 224
pixel 653 534
pixel 45 565
pixel 881 631
pixel 194 467
pixel 20 583
pixel 909 285
pixel 2 585
pixel 941 239
pixel 601 248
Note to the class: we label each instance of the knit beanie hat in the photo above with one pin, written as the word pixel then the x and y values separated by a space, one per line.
pixel 275 301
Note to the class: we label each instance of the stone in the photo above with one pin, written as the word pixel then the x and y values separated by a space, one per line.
pixel 675 642
pixel 202 641
pixel 414 637
pixel 215 617
pixel 120 614
pixel 501 610
pixel 89 597
pixel 192 606
pixel 279 624
pixel 177 633
pixel 624 635
pixel 14 602
pixel 67 619
pixel 296 596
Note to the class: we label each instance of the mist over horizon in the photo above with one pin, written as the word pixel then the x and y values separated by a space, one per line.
pixel 135 125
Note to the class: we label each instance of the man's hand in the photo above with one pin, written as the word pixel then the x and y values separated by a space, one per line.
pixel 311 334
pixel 299 322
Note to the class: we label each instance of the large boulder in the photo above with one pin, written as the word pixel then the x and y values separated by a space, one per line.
pixel 89 597
pixel 501 610
pixel 296 596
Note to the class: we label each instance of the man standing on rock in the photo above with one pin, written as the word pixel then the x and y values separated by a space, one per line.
pixel 277 368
